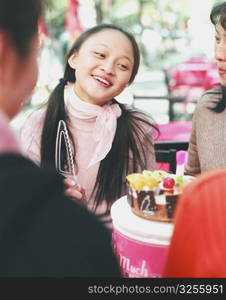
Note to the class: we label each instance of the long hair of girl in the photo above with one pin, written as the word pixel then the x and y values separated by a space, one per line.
pixel 128 139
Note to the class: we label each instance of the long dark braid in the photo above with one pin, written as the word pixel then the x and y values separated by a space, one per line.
pixel 129 137
pixel 55 112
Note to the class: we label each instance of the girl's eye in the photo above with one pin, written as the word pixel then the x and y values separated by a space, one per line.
pixel 123 67
pixel 99 54
pixel 217 39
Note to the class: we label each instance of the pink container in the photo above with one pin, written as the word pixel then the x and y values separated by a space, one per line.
pixel 140 245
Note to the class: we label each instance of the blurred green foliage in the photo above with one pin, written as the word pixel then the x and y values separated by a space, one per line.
pixel 167 17
pixel 54 14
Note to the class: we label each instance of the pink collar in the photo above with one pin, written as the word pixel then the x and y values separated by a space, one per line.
pixel 105 124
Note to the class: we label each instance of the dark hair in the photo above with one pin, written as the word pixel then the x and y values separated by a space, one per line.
pixel 218 16
pixel 20 20
pixel 127 137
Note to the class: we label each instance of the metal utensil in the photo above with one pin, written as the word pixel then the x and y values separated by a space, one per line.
pixel 62 135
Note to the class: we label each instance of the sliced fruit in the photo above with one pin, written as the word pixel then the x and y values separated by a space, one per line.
pixel 168 183
pixel 147 173
pixel 136 181
pixel 179 179
pixel 159 175
pixel 151 182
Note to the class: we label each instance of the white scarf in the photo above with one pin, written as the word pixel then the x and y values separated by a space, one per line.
pixel 105 125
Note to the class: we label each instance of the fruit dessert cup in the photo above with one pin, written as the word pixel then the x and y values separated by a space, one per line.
pixel 153 195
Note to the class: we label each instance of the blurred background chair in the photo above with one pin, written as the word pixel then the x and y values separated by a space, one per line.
pixel 166 160
pixel 175 131
pixel 165 153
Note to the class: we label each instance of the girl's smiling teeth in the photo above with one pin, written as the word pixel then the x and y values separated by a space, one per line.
pixel 102 80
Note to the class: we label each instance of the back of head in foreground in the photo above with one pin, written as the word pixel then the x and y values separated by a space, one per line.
pixel 198 243
pixel 42 232
pixel 18 52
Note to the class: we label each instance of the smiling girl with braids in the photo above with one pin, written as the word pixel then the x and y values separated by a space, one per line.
pixel 109 140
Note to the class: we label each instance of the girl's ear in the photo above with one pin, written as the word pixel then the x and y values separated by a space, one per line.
pixel 72 60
